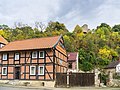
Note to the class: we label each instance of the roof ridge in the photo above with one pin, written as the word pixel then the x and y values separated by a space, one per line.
pixel 34 38
pixel 57 41
pixel 34 43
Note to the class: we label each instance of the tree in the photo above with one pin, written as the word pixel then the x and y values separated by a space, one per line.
pixel 104 25
pixel 86 60
pixel 4 26
pixel 68 43
pixel 40 26
pixel 116 28
pixel 55 28
pixel 77 29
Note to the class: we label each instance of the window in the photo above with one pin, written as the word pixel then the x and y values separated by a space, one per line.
pixel 34 54
pixel 41 70
pixel 32 70
pixel 4 70
pixel 1 45
pixel 16 56
pixel 62 45
pixel 70 66
pixel 5 56
pixel 41 54
pixel 61 62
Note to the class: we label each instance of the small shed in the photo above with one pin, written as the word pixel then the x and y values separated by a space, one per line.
pixel 112 66
pixel 72 61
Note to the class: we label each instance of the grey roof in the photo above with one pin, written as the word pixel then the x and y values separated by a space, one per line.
pixel 112 64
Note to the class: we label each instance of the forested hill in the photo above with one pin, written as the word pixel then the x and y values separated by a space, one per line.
pixel 96 47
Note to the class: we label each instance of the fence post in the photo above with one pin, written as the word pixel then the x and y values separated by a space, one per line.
pixel 68 79
pixel 97 81
pixel 110 78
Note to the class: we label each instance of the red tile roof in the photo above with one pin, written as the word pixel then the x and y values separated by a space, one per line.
pixel 2 40
pixel 36 43
pixel 72 56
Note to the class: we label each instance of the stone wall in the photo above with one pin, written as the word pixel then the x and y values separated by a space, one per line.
pixel 29 83
pixel 113 82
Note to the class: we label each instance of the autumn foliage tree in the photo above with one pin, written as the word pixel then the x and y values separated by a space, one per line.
pixel 97 48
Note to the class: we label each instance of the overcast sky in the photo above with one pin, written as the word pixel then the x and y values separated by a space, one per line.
pixel 69 12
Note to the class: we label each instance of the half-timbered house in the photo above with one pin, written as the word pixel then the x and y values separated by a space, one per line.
pixel 33 59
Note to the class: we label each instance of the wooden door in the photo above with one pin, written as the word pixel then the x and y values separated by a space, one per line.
pixel 17 72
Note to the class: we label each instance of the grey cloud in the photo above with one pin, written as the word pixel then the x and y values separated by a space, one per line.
pixel 70 12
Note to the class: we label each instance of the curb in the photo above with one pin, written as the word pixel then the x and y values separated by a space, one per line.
pixel 26 87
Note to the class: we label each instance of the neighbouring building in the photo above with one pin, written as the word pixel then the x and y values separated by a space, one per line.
pixel 72 61
pixel 112 67
pixel 3 41
pixel 85 29
pixel 33 59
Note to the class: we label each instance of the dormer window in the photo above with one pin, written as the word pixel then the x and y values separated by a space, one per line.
pixel 1 45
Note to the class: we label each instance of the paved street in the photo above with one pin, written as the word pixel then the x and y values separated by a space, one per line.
pixel 77 88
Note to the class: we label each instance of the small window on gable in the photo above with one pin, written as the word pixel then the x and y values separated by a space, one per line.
pixel 32 70
pixel 61 44
pixel 41 54
pixel 41 70
pixel 61 62
pixel 17 56
pixel 34 54
pixel 4 70
pixel 4 56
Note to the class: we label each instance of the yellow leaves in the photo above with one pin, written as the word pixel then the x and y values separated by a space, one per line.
pixel 80 34
pixel 2 32
pixel 103 37
pixel 114 34
pixel 113 53
pixel 66 37
pixel 107 53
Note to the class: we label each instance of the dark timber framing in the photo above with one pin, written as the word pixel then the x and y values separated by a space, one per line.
pixel 26 60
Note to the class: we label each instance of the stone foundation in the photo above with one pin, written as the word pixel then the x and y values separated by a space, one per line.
pixel 28 83
pixel 114 83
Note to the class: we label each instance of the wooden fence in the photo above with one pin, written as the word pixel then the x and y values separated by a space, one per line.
pixel 75 79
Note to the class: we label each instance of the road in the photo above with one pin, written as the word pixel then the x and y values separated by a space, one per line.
pixel 78 88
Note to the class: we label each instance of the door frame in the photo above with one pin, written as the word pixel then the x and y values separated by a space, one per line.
pixel 15 72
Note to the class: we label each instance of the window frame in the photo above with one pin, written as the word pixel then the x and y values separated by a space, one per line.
pixel 43 54
pixel 1 45
pixel 3 69
pixel 36 54
pixel 31 71
pixel 39 70
pixel 70 65
pixel 15 56
pixel 6 56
